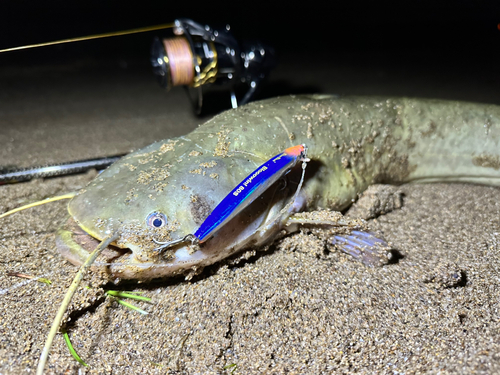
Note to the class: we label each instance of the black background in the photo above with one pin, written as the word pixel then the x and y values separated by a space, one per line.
pixel 416 48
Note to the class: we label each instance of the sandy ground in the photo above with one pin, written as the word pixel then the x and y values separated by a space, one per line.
pixel 293 309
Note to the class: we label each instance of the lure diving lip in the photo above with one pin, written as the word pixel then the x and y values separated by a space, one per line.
pixel 244 194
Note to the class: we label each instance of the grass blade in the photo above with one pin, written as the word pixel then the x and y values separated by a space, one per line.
pixel 130 306
pixel 131 295
pixel 72 350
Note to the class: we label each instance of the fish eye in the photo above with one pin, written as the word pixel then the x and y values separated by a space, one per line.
pixel 156 220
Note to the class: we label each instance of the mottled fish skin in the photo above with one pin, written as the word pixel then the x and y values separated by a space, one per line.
pixel 352 142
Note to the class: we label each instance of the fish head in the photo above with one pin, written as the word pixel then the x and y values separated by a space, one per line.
pixel 163 193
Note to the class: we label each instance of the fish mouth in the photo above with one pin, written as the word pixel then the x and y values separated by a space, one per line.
pixel 75 244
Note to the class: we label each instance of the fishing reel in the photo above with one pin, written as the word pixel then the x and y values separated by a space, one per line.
pixel 199 55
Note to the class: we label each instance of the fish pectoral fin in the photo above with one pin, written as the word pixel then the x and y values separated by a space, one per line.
pixel 365 247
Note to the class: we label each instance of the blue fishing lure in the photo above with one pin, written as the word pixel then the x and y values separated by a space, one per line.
pixel 244 194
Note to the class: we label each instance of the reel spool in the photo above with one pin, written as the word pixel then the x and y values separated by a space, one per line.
pixel 199 55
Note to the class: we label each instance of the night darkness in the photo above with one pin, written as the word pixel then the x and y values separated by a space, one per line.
pixel 397 47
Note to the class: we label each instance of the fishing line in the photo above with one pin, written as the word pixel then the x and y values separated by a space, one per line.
pixel 91 37
pixel 180 57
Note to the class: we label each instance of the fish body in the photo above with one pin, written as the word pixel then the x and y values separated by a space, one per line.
pixel 352 142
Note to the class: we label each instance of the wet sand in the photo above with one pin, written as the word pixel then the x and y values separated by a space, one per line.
pixel 293 309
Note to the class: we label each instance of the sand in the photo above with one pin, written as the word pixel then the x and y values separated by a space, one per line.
pixel 294 309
